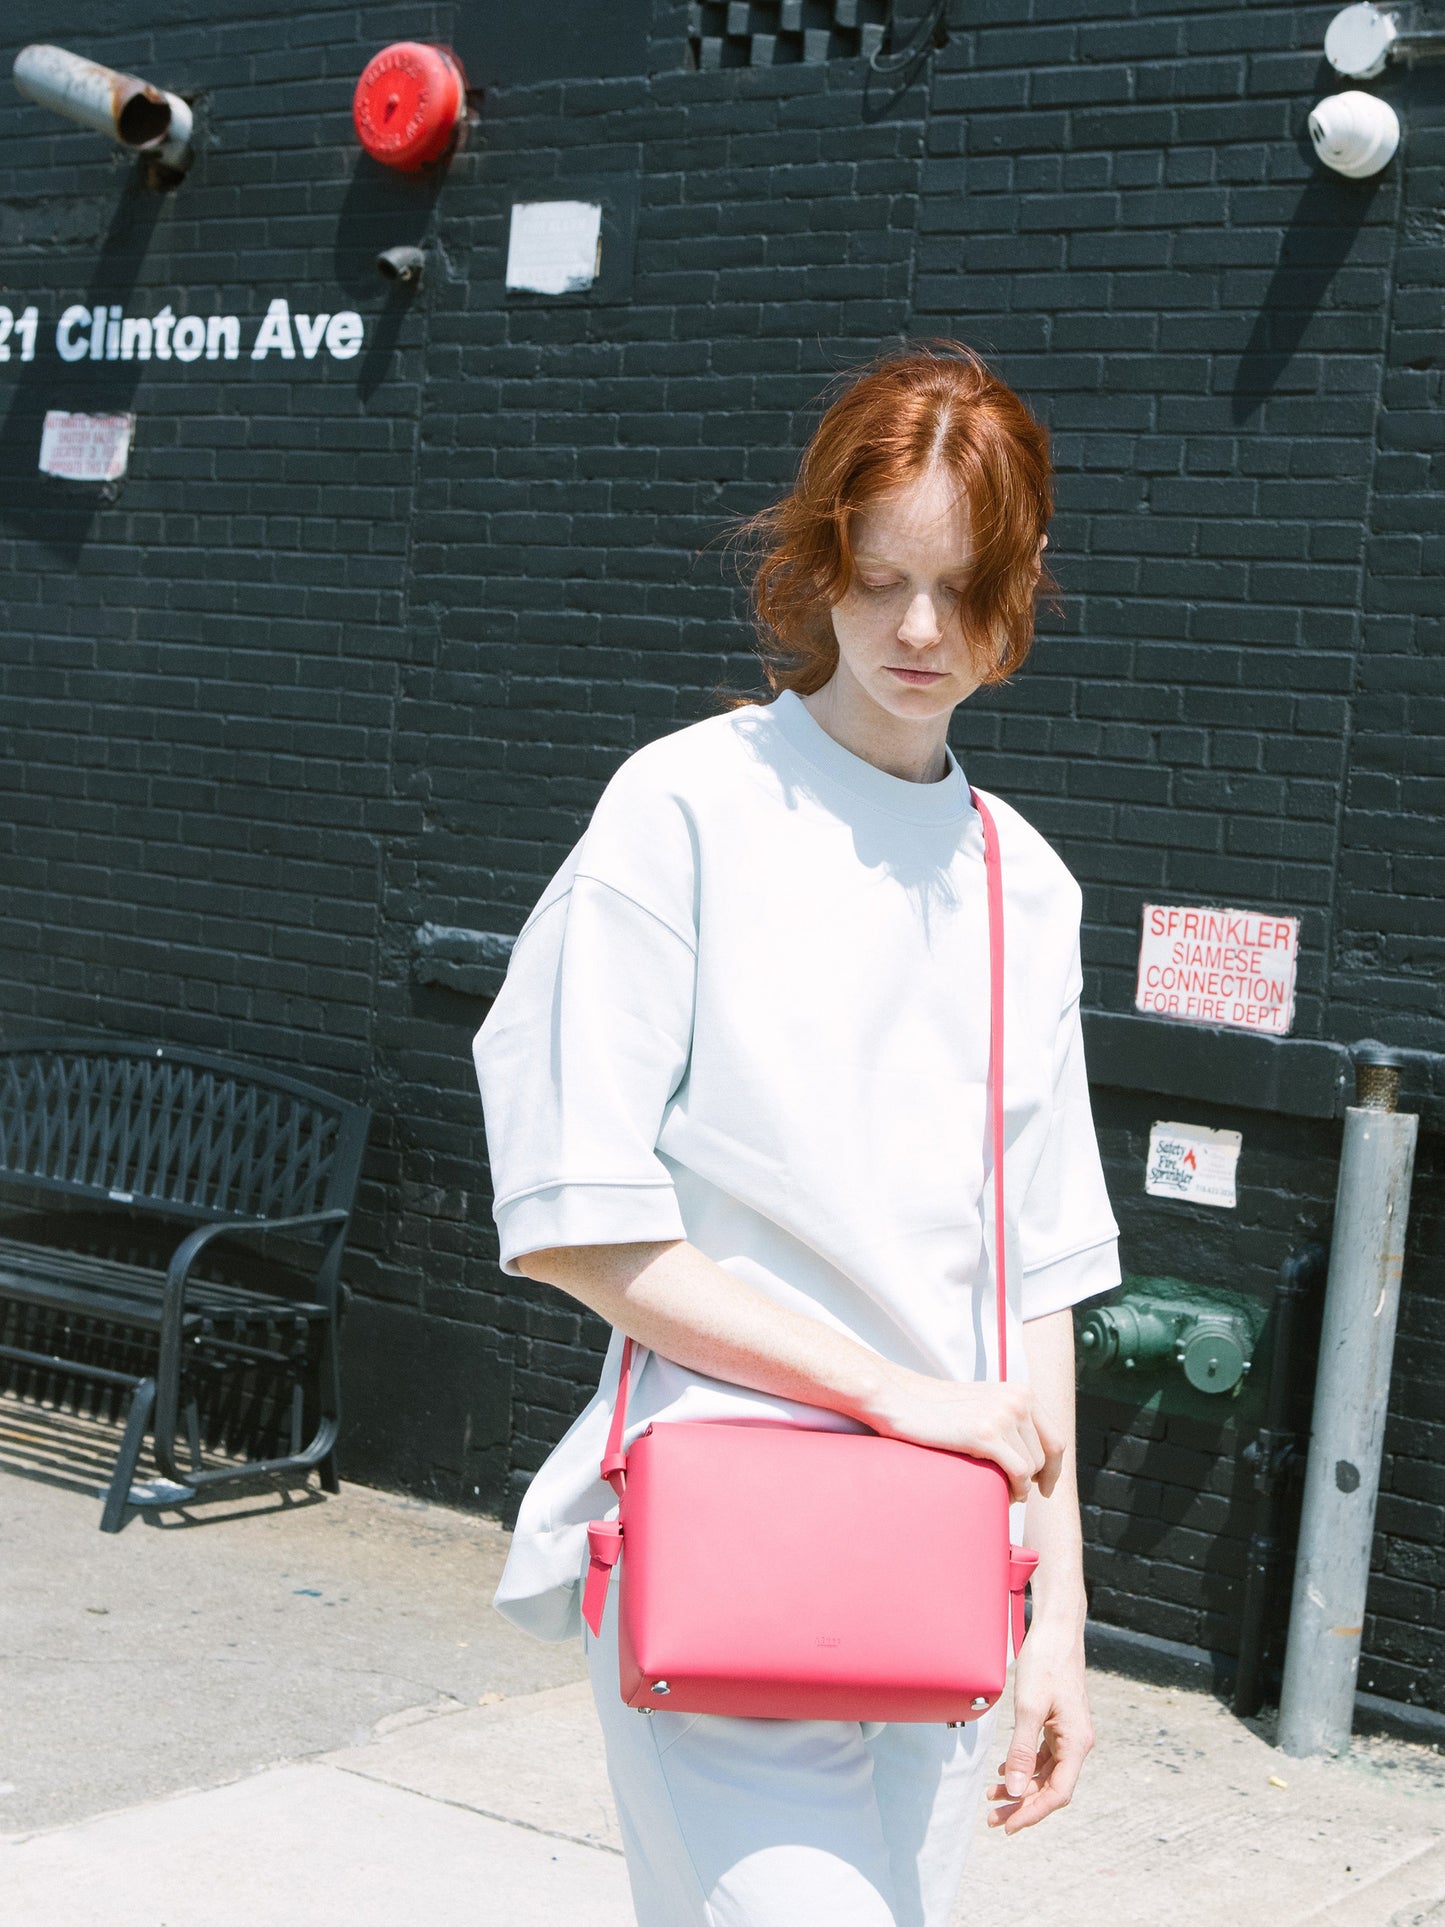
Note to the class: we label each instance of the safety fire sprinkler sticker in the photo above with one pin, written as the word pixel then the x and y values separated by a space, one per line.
pixel 1190 1161
pixel 1230 967
pixel 85 448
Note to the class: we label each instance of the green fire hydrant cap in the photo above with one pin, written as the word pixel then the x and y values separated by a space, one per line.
pixel 1213 1357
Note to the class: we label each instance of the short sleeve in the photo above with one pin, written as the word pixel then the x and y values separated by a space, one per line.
pixel 1068 1239
pixel 577 1059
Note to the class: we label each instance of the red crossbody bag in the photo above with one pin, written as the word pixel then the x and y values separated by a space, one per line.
pixel 775 1571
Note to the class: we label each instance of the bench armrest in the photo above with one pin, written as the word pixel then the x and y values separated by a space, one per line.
pixel 173 1303
pixel 332 1224
pixel 191 1247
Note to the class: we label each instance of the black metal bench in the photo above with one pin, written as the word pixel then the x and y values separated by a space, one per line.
pixel 143 1139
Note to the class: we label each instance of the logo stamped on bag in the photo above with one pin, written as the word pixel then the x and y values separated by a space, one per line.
pixel 827 1639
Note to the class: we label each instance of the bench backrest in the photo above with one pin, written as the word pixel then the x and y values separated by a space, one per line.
pixel 179 1131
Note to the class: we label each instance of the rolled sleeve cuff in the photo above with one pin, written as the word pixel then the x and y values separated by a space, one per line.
pixel 1066 1280
pixel 596 1212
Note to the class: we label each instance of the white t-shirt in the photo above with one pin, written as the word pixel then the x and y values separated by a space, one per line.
pixel 751 1010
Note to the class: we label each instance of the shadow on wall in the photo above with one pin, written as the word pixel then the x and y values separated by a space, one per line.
pixel 382 209
pixel 1316 244
pixel 60 514
pixel 1169 1558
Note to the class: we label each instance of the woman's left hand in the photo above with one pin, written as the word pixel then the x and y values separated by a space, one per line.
pixel 1052 1729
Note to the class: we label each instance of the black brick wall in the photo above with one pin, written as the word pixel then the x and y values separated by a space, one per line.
pixel 356 644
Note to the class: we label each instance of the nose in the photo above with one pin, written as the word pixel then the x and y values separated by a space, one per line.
pixel 920 626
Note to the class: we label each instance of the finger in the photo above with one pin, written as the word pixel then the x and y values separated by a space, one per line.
pixel 1019 1462
pixel 1000 1797
pixel 1024 1459
pixel 1006 1805
pixel 998 1791
pixel 1068 1747
pixel 1015 1461
pixel 1053 1444
pixel 1052 1787
pixel 1038 1806
pixel 1025 1755
pixel 1003 1807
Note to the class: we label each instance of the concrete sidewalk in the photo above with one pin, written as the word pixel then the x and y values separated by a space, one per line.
pixel 284 1711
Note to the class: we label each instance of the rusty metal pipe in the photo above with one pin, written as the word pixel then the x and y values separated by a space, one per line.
pixel 131 112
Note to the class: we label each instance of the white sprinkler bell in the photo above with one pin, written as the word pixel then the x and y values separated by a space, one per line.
pixel 1354 133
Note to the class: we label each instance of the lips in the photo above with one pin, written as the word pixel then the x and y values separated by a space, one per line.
pixel 919 676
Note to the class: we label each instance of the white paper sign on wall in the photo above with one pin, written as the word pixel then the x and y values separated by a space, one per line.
pixel 1231 967
pixel 1190 1161
pixel 555 247
pixel 85 448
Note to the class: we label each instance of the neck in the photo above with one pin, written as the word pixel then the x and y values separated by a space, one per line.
pixel 915 751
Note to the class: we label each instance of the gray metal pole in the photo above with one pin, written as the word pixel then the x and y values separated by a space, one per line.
pixel 1352 1389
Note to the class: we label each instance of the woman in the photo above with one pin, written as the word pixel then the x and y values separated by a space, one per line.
pixel 735 1100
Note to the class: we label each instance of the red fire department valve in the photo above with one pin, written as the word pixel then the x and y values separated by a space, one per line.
pixel 409 103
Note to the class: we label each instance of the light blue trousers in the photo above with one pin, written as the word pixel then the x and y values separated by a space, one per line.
pixel 784 1823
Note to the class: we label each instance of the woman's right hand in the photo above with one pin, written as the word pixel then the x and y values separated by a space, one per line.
pixel 672 1297
pixel 1002 1423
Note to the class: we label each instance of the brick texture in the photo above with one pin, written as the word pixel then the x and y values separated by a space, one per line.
pixel 355 644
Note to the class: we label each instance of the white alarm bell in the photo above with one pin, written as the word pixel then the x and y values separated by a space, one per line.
pixel 1354 133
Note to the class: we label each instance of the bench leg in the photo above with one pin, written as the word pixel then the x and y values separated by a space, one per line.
pixel 193 1435
pixel 142 1404
pixel 326 1472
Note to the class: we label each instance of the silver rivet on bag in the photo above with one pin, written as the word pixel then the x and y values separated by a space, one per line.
pixel 660 1686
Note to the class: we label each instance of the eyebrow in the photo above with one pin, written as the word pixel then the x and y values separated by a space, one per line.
pixel 866 558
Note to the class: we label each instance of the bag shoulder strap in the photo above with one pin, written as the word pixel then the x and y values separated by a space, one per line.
pixel 993 878
pixel 614 1459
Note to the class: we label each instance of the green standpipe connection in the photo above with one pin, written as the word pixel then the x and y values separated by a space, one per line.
pixel 1155 1326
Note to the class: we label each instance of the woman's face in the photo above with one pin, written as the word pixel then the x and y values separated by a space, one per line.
pixel 900 640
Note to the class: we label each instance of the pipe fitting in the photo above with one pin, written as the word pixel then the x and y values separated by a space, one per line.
pixel 402 264
pixel 144 119
pixel 1363 39
pixel 1377 1075
pixel 1126 1336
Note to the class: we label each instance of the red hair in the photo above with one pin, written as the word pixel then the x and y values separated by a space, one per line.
pixel 936 406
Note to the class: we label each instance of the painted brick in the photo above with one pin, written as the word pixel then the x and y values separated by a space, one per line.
pixel 355 646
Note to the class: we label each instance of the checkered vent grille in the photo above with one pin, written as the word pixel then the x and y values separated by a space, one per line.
pixel 779 33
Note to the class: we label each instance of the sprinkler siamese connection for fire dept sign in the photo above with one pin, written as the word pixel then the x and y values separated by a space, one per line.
pixel 1234 968
pixel 107 333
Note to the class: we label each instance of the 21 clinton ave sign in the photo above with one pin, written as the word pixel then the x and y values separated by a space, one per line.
pixel 106 332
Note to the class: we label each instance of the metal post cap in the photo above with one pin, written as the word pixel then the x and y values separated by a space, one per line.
pixel 1377 1075
pixel 1370 1050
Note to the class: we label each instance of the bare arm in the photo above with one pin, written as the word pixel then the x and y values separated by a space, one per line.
pixel 676 1300
pixel 1052 1728
pixel 1051 1523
